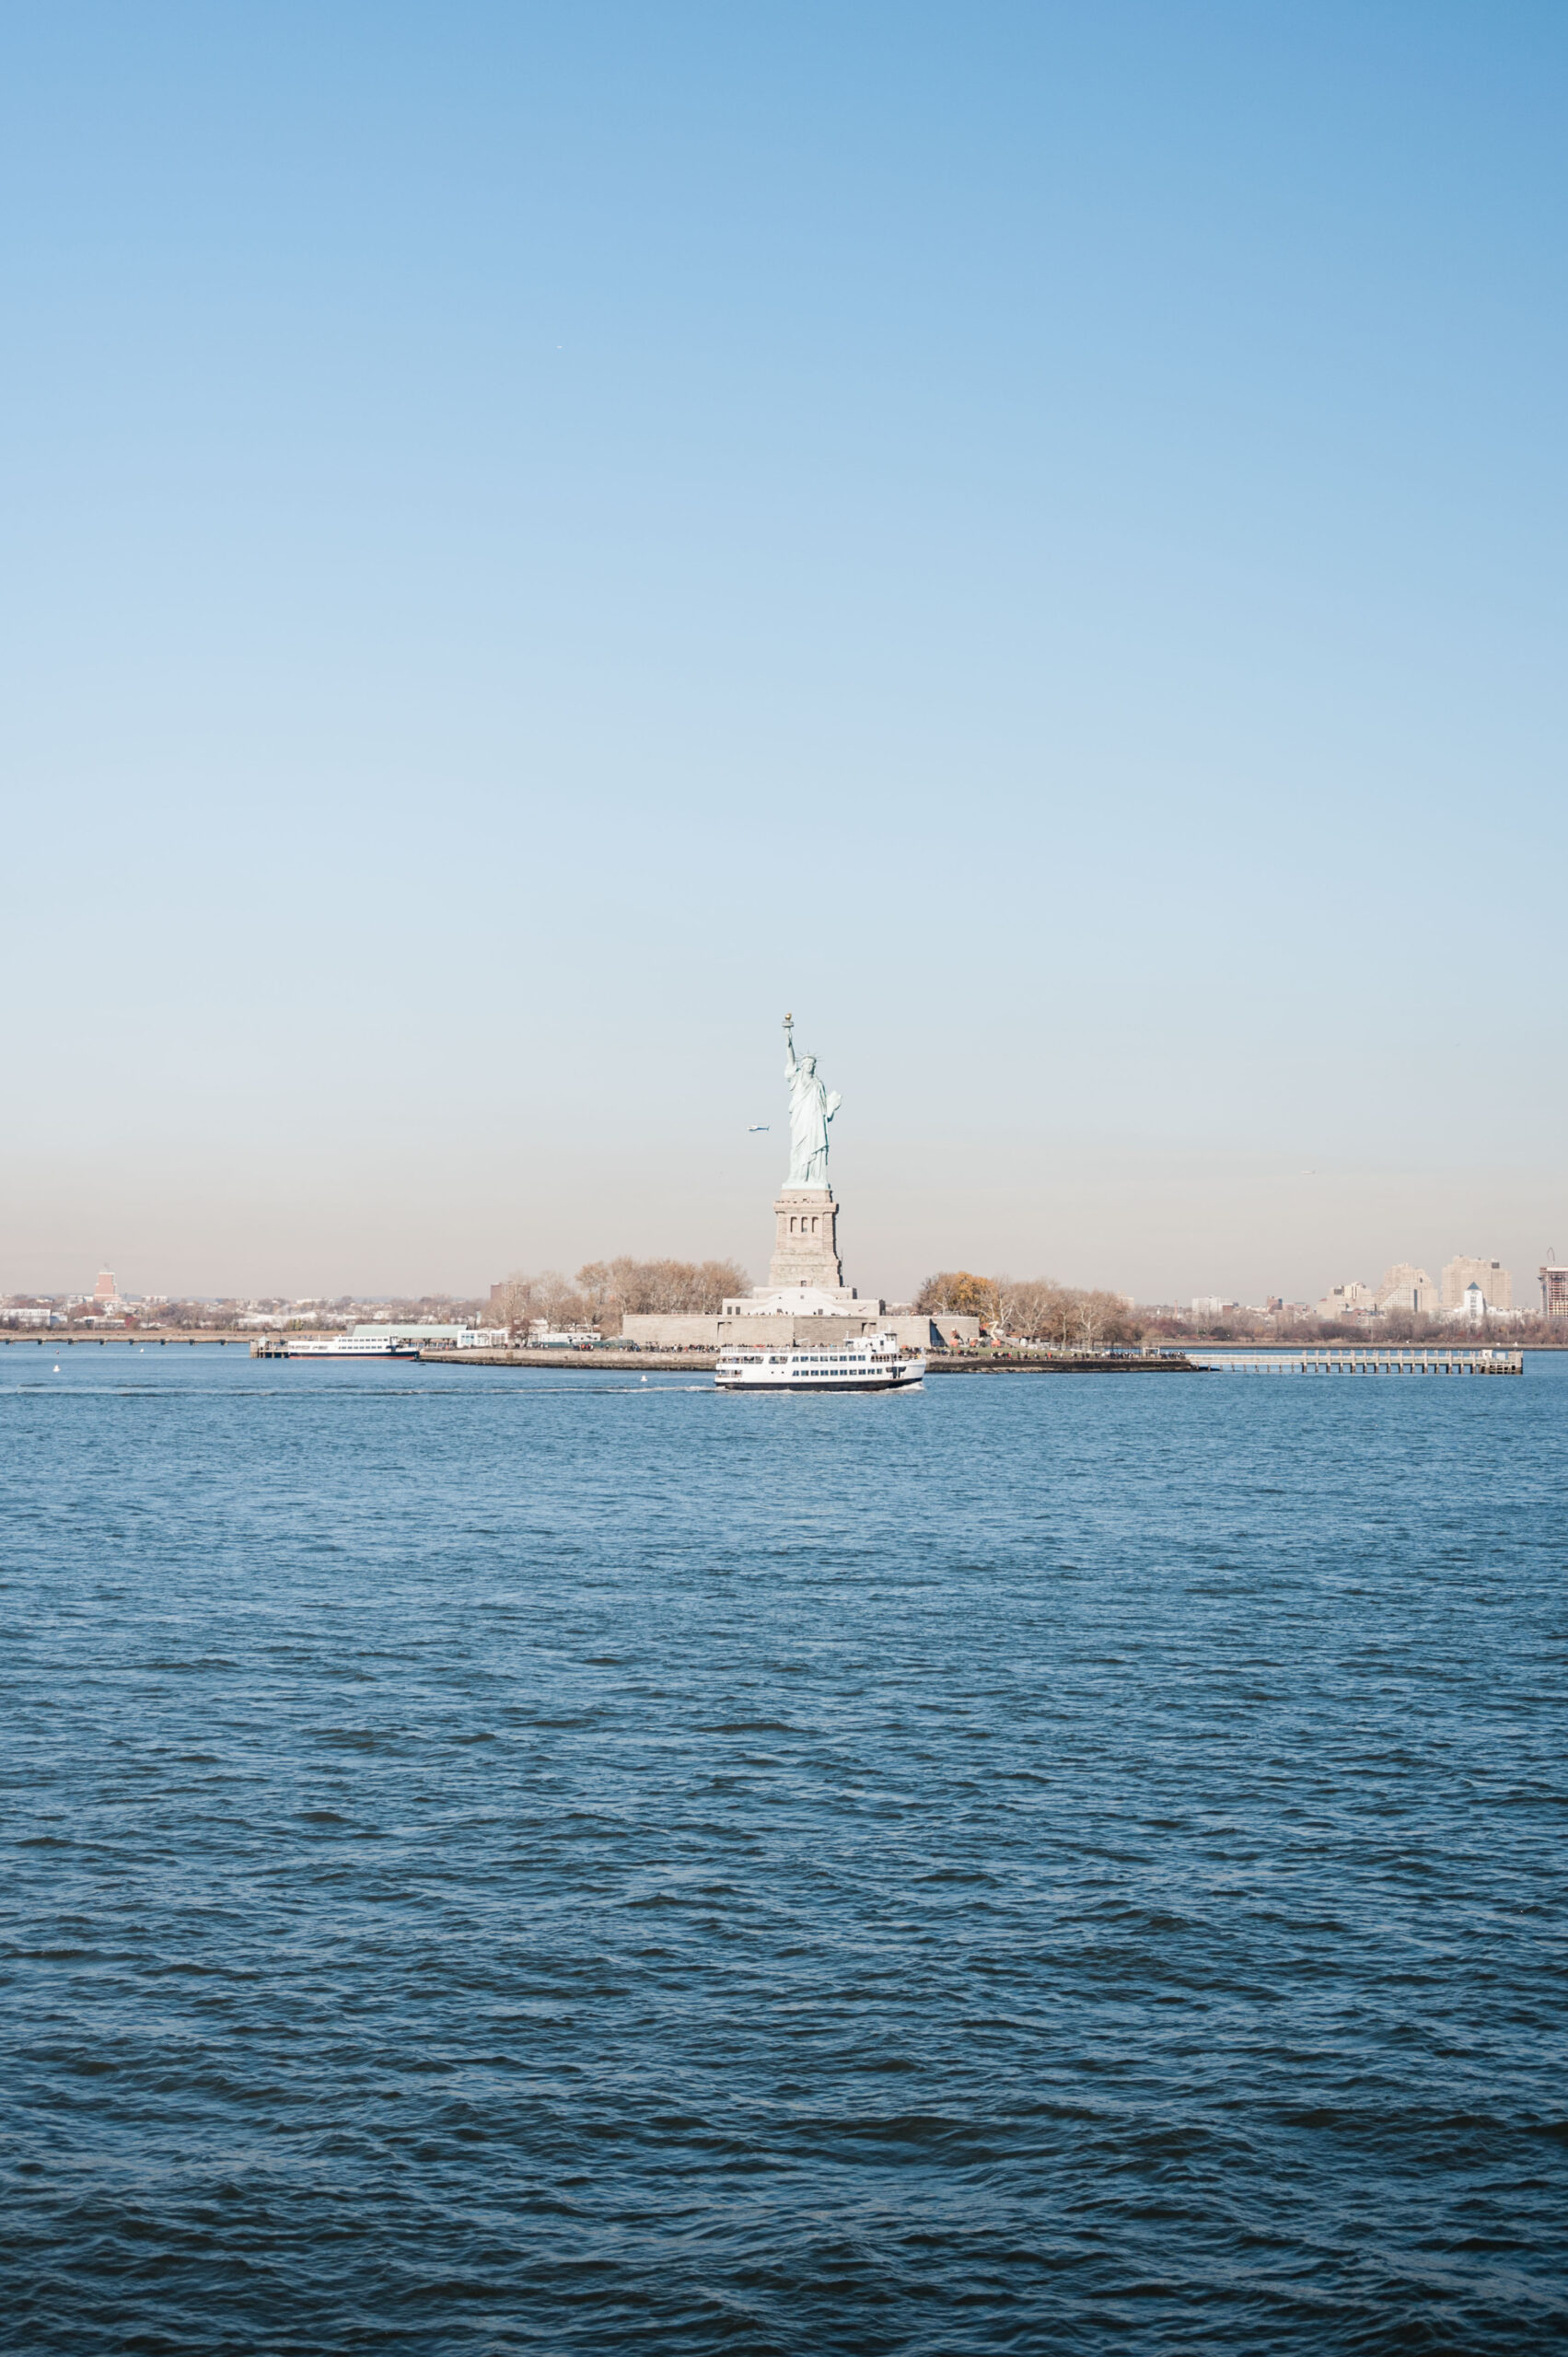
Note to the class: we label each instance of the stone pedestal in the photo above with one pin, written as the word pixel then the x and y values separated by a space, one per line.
pixel 806 1247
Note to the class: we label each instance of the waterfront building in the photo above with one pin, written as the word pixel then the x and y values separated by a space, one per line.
pixel 1553 1290
pixel 106 1292
pixel 1462 1272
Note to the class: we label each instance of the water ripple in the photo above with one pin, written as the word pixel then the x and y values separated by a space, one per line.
pixel 491 1867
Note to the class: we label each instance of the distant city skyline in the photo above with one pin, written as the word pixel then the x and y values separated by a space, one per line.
pixel 539 539
pixel 875 1225
pixel 1404 1286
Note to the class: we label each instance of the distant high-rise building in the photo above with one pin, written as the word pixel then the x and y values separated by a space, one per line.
pixel 106 1289
pixel 1405 1286
pixel 1553 1291
pixel 1461 1272
pixel 1353 1300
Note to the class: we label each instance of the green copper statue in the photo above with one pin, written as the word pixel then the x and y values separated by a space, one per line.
pixel 810 1110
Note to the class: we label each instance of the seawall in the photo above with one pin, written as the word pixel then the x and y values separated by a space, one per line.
pixel 703 1363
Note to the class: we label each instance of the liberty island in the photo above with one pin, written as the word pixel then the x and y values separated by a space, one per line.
pixel 806 1299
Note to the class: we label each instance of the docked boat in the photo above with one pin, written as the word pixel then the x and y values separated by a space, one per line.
pixel 349 1346
pixel 871 1362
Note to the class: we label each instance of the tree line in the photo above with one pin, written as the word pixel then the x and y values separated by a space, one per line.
pixel 603 1292
pixel 1032 1309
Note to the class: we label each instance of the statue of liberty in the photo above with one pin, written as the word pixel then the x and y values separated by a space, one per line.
pixel 810 1110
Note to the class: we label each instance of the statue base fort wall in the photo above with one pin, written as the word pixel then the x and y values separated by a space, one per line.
pixel 694 1330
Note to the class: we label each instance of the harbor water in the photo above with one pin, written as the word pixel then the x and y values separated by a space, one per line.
pixel 554 1862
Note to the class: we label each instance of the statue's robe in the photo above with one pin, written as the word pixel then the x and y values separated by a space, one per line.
pixel 810 1110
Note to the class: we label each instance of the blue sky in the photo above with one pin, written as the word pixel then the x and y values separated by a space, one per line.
pixel 537 539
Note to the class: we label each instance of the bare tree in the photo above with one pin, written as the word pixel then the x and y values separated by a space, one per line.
pixel 1091 1321
pixel 615 1287
pixel 1031 1307
pixel 597 1287
pixel 515 1302
pixel 560 1302
pixel 1006 1304
pixel 1038 1308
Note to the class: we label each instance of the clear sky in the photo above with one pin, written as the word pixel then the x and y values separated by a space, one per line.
pixel 537 538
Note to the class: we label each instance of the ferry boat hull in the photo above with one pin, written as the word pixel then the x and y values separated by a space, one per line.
pixel 346 1346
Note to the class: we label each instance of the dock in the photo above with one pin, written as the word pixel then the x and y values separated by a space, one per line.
pixel 993 1361
pixel 1366 1358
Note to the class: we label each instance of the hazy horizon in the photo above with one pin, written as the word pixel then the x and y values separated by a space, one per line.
pixel 359 1247
pixel 537 542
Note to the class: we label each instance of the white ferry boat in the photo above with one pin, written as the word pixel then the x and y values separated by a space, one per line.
pixel 349 1346
pixel 874 1363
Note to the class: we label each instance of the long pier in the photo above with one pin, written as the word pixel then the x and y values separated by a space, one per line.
pixel 49 1338
pixel 1366 1358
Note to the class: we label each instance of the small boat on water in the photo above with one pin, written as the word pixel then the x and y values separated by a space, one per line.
pixel 871 1362
pixel 349 1346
